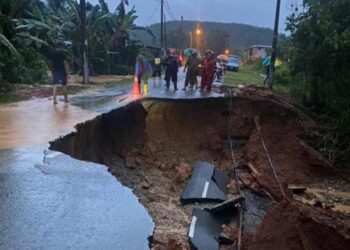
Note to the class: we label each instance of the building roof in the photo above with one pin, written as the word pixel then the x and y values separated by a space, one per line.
pixel 145 38
pixel 261 46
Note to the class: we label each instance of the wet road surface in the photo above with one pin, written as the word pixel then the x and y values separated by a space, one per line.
pixel 37 121
pixel 55 202
pixel 61 203
pixel 110 99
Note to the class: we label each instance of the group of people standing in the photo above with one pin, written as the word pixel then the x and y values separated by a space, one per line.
pixel 208 64
pixel 172 63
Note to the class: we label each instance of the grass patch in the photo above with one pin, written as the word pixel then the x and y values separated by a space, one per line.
pixel 6 98
pixel 247 75
pixel 252 74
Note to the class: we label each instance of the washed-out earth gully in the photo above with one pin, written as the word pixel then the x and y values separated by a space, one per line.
pixel 151 145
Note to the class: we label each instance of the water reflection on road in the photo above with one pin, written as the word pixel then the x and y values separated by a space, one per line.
pixel 37 121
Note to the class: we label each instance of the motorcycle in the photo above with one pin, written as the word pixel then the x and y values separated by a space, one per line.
pixel 219 72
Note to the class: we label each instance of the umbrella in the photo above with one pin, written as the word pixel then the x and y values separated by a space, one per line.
pixel 267 61
pixel 188 52
pixel 222 57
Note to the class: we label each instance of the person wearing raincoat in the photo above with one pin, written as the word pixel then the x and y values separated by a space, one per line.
pixel 208 65
pixel 142 69
pixel 192 70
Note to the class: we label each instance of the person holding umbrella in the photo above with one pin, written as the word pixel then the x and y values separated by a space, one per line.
pixel 266 62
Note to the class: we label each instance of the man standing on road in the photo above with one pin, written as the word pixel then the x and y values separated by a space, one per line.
pixel 208 65
pixel 172 68
pixel 60 72
pixel 192 71
pixel 157 70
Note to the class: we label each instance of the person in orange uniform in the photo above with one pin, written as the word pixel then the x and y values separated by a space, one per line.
pixel 208 66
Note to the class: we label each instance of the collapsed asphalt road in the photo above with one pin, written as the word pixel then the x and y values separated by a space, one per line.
pixel 150 145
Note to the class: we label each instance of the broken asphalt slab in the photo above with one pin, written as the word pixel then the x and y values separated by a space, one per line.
pixel 204 230
pixel 206 184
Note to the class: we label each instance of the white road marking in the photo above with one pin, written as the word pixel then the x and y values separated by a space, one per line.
pixel 53 155
pixel 205 190
pixel 192 227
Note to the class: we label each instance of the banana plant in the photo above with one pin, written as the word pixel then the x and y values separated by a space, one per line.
pixel 8 45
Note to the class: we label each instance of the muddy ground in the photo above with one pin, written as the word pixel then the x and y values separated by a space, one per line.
pixel 151 145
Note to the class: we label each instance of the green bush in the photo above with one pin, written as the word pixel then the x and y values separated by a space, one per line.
pixel 35 67
pixel 30 68
pixel 256 65
pixel 282 75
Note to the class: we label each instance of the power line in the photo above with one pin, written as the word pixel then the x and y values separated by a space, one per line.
pixel 152 15
pixel 171 14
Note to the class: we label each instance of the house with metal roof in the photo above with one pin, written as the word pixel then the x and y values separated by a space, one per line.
pixel 257 51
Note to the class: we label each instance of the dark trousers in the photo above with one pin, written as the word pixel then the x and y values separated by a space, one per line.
pixel 191 78
pixel 171 76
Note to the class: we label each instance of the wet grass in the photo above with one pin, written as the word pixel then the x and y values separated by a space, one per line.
pixel 6 98
pixel 247 75
pixel 253 75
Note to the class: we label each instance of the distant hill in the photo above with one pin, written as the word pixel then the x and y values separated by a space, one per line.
pixel 241 35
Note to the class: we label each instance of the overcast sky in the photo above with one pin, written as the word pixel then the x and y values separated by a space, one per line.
pixel 255 12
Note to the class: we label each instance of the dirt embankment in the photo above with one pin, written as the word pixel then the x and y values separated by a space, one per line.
pixel 151 145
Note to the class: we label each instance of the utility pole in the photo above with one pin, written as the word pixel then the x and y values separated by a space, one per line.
pixel 165 35
pixel 162 25
pixel 84 42
pixel 191 39
pixel 274 44
pixel 181 31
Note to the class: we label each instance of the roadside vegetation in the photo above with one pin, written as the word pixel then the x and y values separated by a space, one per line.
pixel 254 73
pixel 30 29
pixel 316 72
pixel 248 74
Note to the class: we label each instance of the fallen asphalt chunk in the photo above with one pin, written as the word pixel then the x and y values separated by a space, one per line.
pixel 205 230
pixel 206 184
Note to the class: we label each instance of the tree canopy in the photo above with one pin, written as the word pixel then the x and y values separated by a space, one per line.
pixel 29 29
pixel 320 52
